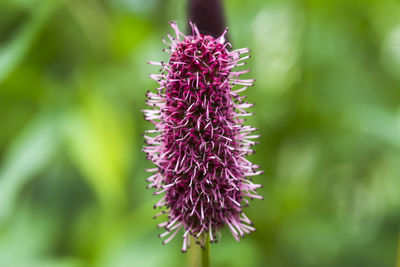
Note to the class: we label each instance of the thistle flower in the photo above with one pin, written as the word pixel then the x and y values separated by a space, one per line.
pixel 201 145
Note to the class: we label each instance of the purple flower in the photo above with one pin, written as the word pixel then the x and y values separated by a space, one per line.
pixel 201 145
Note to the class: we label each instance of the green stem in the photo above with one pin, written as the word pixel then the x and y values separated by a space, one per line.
pixel 398 251
pixel 205 254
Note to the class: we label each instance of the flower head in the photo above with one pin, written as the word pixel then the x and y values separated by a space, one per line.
pixel 200 149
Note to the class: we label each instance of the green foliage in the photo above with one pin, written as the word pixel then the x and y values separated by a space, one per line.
pixel 73 76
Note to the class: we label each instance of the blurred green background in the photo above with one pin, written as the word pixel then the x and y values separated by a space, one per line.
pixel 73 77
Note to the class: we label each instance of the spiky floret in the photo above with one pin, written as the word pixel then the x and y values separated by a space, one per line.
pixel 201 145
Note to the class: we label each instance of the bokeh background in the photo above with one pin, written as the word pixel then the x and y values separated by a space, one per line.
pixel 73 77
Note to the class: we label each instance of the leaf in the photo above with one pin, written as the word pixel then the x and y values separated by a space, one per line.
pixel 374 122
pixel 97 142
pixel 27 240
pixel 12 54
pixel 27 155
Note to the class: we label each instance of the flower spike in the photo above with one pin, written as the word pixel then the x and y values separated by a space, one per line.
pixel 199 142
